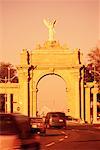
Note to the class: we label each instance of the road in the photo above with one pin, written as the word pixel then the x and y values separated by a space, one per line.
pixel 80 137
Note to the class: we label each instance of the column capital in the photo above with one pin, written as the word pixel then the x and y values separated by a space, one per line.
pixel 89 85
pixel 95 90
pixel 35 90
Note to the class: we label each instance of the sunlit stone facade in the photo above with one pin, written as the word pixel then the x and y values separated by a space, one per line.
pixel 51 58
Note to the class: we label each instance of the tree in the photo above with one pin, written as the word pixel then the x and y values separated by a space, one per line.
pixel 92 72
pixel 94 66
pixel 89 75
pixel 8 70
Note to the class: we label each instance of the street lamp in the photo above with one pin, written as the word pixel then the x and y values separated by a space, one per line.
pixel 8 74
pixel 9 78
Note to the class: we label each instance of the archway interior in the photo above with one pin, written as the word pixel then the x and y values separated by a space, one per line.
pixel 51 95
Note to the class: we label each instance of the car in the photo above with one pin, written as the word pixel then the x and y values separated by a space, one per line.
pixel 55 119
pixel 72 120
pixel 15 133
pixel 38 125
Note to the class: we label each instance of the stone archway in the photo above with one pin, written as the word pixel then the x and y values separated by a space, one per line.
pixel 51 95
pixel 51 58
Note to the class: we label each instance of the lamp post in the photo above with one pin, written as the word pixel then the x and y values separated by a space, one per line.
pixel 5 95
pixel 8 74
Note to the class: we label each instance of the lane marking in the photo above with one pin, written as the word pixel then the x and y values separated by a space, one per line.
pixel 92 131
pixel 52 143
pixel 97 127
pixel 63 132
pixel 66 137
pixel 75 129
pixel 61 139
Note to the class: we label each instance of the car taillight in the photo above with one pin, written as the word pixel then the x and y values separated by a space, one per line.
pixel 60 120
pixel 39 124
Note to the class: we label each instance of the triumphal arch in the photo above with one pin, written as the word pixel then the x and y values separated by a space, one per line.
pixel 51 58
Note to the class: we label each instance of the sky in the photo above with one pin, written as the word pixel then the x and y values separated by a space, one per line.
pixel 21 25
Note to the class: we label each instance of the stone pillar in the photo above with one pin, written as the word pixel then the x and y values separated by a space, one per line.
pixel 95 90
pixel 25 98
pixel 77 103
pixel 82 101
pixel 23 94
pixel 16 104
pixel 34 102
pixel 87 104
pixel 75 92
pixel 8 103
pixel 23 81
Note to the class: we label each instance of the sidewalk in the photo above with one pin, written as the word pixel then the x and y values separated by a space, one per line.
pixel 97 124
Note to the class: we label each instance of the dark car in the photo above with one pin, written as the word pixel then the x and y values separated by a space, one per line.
pixel 15 133
pixel 38 125
pixel 55 119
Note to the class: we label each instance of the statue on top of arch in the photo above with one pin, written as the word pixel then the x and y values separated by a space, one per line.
pixel 50 25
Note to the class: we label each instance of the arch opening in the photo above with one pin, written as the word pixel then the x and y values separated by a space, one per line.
pixel 51 95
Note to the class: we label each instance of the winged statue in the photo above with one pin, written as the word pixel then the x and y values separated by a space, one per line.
pixel 51 30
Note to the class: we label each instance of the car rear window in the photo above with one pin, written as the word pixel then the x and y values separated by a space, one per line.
pixel 57 115
pixel 7 125
pixel 36 120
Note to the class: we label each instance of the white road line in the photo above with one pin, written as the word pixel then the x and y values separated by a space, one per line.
pixel 66 137
pixel 75 130
pixel 97 127
pixel 52 143
pixel 61 139
pixel 92 131
pixel 63 132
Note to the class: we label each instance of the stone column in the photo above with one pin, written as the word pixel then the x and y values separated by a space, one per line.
pixel 87 104
pixel 95 91
pixel 8 103
pixel 82 101
pixel 23 93
pixel 77 103
pixel 34 102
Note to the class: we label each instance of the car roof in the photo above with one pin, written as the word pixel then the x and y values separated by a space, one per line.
pixel 16 116
pixel 13 114
pixel 56 112
pixel 35 117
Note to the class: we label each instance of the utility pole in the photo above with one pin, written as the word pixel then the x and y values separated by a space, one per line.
pixel 8 74
pixel 5 95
